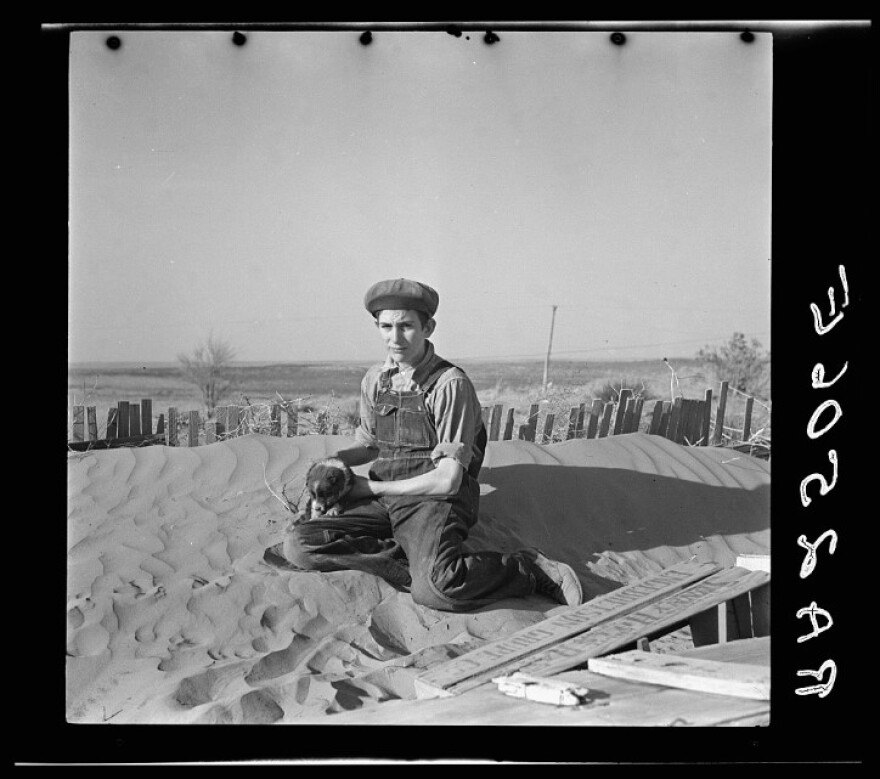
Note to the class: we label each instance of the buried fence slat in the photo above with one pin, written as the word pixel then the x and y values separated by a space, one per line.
pixel 572 423
pixel 233 420
pixel 747 420
pixel 706 424
pixel 719 414
pixel 605 422
pixel 92 420
pixel 621 411
pixel 221 424
pixel 210 431
pixel 146 416
pixel 637 416
pixel 532 422
pixel 674 415
pixel 172 426
pixel 78 424
pixel 123 419
pixel 134 419
pixel 495 421
pixel 684 420
pixel 292 421
pixel 654 429
pixel 508 425
pixel 547 434
pixel 160 425
pixel 579 423
pixel 697 422
pixel 275 416
pixel 628 415
pixel 112 416
pixel 663 429
pixel 595 414
pixel 485 412
pixel 193 428
pixel 523 432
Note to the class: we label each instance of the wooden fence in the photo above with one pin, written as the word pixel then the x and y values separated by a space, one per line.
pixel 687 421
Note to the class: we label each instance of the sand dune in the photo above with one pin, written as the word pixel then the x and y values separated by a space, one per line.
pixel 174 617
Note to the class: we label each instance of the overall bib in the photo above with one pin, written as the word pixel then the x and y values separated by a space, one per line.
pixel 413 542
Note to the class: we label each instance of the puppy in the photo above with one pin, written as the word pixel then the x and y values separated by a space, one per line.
pixel 328 481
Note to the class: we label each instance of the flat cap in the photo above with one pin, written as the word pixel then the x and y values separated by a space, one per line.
pixel 401 294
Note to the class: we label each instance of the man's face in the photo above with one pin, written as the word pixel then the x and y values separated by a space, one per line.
pixel 404 335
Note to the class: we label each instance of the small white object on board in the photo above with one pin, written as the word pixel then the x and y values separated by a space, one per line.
pixel 542 690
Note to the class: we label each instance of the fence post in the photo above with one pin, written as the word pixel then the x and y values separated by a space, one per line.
pixel 628 415
pixel 707 419
pixel 193 428
pixel 92 418
pixel 275 416
pixel 112 414
pixel 581 417
pixel 637 416
pixel 124 418
pixel 605 423
pixel 485 412
pixel 532 422
pixel 719 414
pixel 621 411
pixel 523 432
pixel 572 423
pixel 547 434
pixel 147 416
pixel 674 417
pixel 160 425
pixel 663 429
pixel 292 420
pixel 210 431
pixel 134 419
pixel 654 429
pixel 172 426
pixel 595 414
pixel 508 425
pixel 78 430
pixel 495 422
pixel 233 416
pixel 747 421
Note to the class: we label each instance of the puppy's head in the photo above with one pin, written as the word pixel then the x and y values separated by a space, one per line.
pixel 327 482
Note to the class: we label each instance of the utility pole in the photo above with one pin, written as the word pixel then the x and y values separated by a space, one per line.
pixel 549 348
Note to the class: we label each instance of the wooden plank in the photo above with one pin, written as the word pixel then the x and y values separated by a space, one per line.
pixel 193 432
pixel 210 431
pixel 172 426
pixel 78 432
pixel 621 411
pixel 637 416
pixel 664 419
pixel 654 618
pixel 706 428
pixel 92 421
pixel 605 422
pixel 572 423
pixel 684 421
pixel 134 419
pixel 674 416
pixel 508 425
pixel 146 416
pixel 759 599
pixel 547 433
pixel 747 420
pixel 233 424
pixel 595 415
pixel 696 426
pixel 719 415
pixel 656 416
pixel 124 419
pixel 532 422
pixel 112 416
pixel 495 422
pixel 275 420
pixel 687 673
pixel 714 626
pixel 485 412
pixel 117 443
pixel 160 425
pixel 477 664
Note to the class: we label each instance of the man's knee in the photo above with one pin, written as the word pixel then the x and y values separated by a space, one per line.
pixel 298 547
pixel 435 590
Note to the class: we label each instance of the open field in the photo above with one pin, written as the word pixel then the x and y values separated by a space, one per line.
pixel 334 386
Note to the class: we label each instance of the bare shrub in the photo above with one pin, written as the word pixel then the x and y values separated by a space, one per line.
pixel 207 368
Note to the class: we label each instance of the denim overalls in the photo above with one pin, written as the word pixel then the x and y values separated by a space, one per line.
pixel 413 542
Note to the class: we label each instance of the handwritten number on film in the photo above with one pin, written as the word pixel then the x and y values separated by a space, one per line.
pixel 813 612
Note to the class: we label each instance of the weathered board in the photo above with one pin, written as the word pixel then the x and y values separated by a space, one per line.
pixel 687 673
pixel 481 662
pixel 653 618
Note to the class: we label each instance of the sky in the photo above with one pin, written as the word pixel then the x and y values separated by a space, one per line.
pixel 254 193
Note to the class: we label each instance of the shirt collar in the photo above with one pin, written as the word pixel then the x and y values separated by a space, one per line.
pixel 390 367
